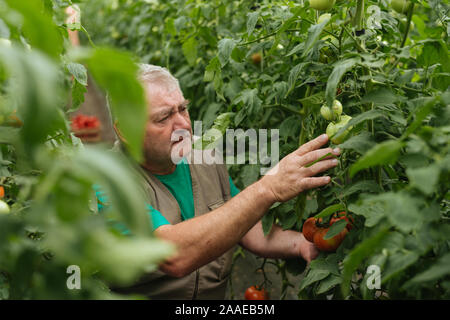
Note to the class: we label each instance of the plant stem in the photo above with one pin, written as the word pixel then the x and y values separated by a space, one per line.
pixel 408 25
pixel 358 20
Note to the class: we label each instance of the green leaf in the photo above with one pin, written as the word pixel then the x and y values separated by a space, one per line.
pixel 122 261
pixel 371 209
pixel 425 179
pixel 38 27
pixel 328 283
pixel 78 91
pixel 360 143
pixel 426 106
pixel 362 251
pixel 313 35
pixel 434 51
pixel 368 115
pixel 116 73
pixel 252 19
pixel 212 68
pixel 313 100
pixel 360 186
pixel 328 264
pixel 35 88
pixel 296 49
pixel 381 96
pixel 293 76
pixel 397 263
pixel 330 210
pixel 225 48
pixel 435 272
pixel 335 229
pixel 189 49
pixel 383 153
pixel 120 181
pixel 340 68
pixel 215 134
pixel 267 222
pixel 251 101
pixel 78 71
pixel 312 277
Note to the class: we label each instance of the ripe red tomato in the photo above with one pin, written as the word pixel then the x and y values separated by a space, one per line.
pixel 82 121
pixel 346 217
pixel 256 293
pixel 309 229
pixel 329 245
pixel 2 192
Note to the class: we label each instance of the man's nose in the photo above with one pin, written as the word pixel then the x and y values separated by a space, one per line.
pixel 181 121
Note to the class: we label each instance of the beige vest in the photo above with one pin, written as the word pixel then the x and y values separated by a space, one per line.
pixel 211 189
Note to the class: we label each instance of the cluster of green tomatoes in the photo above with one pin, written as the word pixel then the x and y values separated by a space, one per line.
pixel 337 121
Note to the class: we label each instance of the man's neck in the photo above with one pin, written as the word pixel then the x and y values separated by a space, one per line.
pixel 160 169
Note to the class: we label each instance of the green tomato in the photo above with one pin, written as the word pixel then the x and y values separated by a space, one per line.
pixel 326 113
pixel 337 109
pixel 338 139
pixel 4 208
pixel 401 6
pixel 331 129
pixel 321 4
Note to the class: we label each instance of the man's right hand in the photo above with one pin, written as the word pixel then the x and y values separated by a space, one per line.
pixel 291 175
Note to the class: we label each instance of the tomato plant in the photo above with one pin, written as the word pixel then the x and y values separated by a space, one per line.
pixel 49 218
pixel 391 80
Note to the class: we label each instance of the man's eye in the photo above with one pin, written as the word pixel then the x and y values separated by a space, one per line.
pixel 163 119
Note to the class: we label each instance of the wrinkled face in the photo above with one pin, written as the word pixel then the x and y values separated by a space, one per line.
pixel 167 124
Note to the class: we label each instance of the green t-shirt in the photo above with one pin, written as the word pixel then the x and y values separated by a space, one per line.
pixel 179 183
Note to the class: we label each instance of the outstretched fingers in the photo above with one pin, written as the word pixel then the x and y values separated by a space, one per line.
pixel 312 145
pixel 320 167
pixel 315 182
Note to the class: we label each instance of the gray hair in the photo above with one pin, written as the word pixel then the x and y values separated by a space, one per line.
pixel 152 74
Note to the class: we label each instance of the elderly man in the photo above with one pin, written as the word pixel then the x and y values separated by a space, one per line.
pixel 198 208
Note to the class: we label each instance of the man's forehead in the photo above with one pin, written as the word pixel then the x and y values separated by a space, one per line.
pixel 159 97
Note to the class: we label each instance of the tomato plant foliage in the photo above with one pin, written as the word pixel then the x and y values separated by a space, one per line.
pixel 392 80
pixel 48 175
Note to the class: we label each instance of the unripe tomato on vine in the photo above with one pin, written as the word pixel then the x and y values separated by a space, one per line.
pixel 326 113
pixel 321 4
pixel 333 129
pixel 4 208
pixel 337 109
pixel 401 6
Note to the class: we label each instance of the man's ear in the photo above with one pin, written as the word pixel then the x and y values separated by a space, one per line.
pixel 119 134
